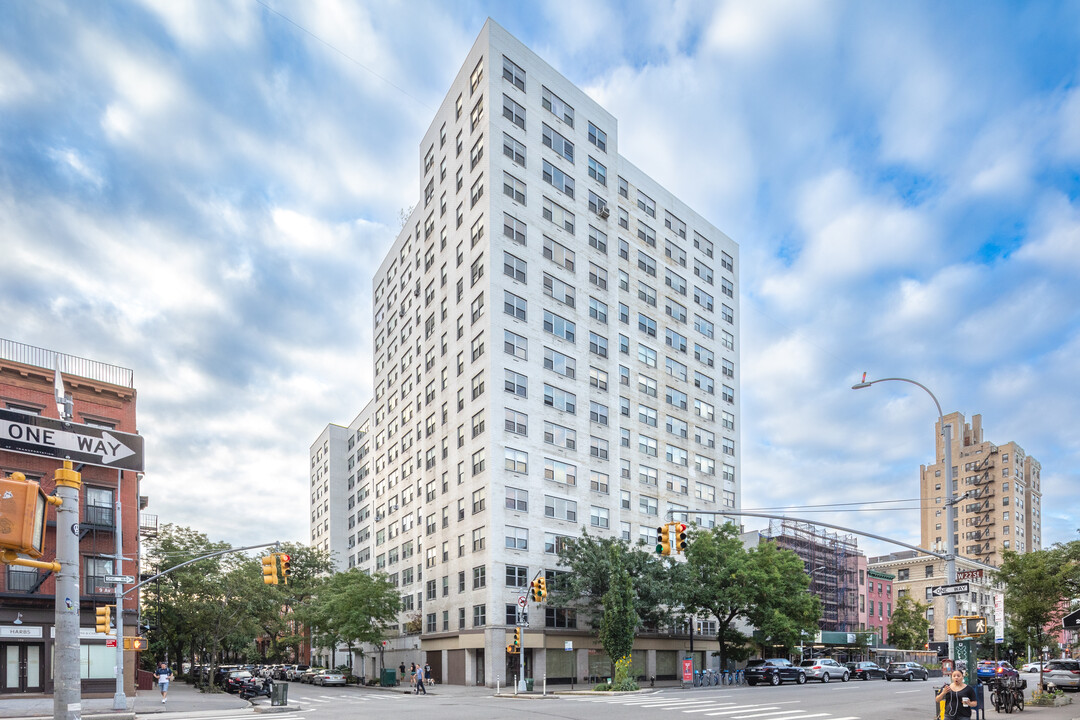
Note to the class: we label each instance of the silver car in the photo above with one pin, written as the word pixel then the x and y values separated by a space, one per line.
pixel 328 677
pixel 1064 674
pixel 824 669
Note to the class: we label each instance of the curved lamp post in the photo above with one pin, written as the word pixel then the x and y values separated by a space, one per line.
pixel 950 504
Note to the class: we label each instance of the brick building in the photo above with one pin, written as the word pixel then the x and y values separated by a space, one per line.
pixel 102 396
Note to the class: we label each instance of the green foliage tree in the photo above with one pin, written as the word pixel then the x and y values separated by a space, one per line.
pixel 908 626
pixel 353 607
pixel 219 608
pixel 619 621
pixel 765 586
pixel 590 563
pixel 1038 588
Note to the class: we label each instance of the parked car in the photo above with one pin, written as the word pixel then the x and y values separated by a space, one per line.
pixel 906 671
pixel 282 672
pixel 1063 673
pixel 1032 667
pixel 865 670
pixel 824 669
pixel 222 672
pixel 328 677
pixel 308 676
pixel 295 672
pixel 235 679
pixel 988 669
pixel 773 671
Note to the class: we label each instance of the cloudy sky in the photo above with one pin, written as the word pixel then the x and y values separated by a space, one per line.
pixel 199 191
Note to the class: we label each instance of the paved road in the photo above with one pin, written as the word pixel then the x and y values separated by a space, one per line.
pixel 855 700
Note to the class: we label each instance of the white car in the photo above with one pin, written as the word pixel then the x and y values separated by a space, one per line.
pixel 1032 667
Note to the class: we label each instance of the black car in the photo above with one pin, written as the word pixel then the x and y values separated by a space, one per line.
pixel 773 671
pixel 235 680
pixel 866 670
pixel 906 671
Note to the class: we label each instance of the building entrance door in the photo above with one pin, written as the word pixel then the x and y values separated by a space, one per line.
pixel 20 667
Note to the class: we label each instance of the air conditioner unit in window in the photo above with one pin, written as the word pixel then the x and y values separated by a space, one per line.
pixel 604 212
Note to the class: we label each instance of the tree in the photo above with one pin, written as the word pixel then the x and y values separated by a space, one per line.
pixel 1038 587
pixel 354 607
pixel 908 626
pixel 619 621
pixel 590 563
pixel 765 586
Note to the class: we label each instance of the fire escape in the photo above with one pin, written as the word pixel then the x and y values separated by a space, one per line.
pixel 981 511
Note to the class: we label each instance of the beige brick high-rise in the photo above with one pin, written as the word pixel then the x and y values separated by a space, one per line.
pixel 1004 508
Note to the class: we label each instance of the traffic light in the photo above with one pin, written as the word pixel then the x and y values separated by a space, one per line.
pixel 286 570
pixel 680 537
pixel 952 626
pixel 103 619
pixel 22 515
pixel 663 540
pixel 135 643
pixel 515 644
pixel 538 589
pixel 269 570
pixel 976 625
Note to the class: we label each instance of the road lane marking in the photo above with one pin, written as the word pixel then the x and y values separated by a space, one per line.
pixel 772 714
pixel 680 704
pixel 906 692
pixel 717 706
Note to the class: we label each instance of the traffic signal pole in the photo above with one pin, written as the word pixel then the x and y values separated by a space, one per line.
pixel 119 698
pixel 67 685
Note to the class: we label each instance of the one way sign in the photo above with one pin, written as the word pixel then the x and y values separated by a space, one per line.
pixel 957 589
pixel 36 435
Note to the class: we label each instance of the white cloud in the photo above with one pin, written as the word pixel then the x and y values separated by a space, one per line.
pixel 198 25
pixel 1055 244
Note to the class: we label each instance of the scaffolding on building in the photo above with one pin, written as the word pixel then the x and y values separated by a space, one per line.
pixel 831 561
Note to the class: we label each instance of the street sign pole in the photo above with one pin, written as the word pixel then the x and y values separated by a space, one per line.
pixel 119 699
pixel 67 686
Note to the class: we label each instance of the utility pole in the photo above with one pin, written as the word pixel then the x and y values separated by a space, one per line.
pixel 119 699
pixel 67 686
pixel 67 683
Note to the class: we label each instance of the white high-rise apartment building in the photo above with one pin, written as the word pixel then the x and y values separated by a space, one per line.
pixel 555 350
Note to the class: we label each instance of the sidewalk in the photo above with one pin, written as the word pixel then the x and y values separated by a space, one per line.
pixel 183 698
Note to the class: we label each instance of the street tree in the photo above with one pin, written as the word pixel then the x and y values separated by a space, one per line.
pixel 619 621
pixel 908 626
pixel 764 586
pixel 353 607
pixel 589 561
pixel 1038 588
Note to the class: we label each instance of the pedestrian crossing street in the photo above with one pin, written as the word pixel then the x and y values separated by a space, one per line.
pixel 721 706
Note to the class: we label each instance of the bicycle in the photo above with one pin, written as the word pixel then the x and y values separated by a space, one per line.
pixel 697 678
pixel 1006 694
pixel 740 677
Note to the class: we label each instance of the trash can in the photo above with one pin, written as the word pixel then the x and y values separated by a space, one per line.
pixel 528 684
pixel 388 678
pixel 279 694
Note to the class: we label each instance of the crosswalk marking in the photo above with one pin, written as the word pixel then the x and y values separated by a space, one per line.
pixel 772 714
pixel 741 709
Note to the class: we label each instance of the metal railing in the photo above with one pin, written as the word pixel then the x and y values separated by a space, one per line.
pixel 99 516
pixel 20 579
pixel 69 364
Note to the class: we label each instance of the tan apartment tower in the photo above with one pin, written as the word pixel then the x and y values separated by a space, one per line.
pixel 1003 509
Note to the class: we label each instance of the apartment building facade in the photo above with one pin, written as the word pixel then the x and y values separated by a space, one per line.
pixel 917 574
pixel 1003 510
pixel 555 351
pixel 102 396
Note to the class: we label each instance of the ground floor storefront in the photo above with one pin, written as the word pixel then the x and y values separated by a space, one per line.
pixel 27 643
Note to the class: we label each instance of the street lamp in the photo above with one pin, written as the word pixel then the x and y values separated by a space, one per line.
pixel 950 503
